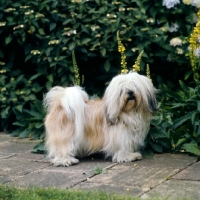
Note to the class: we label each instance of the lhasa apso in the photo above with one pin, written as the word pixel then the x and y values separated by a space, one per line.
pixel 115 125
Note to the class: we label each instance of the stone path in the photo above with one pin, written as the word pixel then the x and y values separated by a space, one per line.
pixel 171 176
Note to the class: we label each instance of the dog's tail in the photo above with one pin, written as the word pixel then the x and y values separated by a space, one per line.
pixel 72 100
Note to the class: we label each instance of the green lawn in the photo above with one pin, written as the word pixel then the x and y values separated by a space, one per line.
pixel 10 193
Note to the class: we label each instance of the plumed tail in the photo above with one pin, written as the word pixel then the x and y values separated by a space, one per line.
pixel 72 101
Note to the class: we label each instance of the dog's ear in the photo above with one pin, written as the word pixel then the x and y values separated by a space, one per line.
pixel 113 104
pixel 152 103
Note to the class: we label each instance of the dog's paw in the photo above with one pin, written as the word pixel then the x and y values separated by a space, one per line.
pixel 64 161
pixel 129 157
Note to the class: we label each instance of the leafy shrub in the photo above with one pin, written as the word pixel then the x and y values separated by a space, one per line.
pixel 36 43
pixel 176 127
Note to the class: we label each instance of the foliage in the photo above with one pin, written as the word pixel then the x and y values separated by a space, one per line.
pixel 37 41
pixel 176 127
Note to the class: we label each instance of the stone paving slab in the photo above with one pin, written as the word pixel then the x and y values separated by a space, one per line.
pixel 17 168
pixel 7 155
pixel 14 147
pixel 61 177
pixel 164 175
pixel 5 179
pixel 175 190
pixel 139 179
pixel 111 188
pixel 190 173
pixel 44 178
pixel 167 160
pixel 30 156
pixel 4 137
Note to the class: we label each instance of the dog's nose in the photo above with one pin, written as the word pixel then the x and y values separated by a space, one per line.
pixel 131 95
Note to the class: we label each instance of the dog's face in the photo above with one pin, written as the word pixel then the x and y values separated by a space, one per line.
pixel 129 92
pixel 128 99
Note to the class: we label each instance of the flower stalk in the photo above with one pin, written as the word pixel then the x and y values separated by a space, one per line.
pixel 121 50
pixel 136 66
pixel 148 72
pixel 76 70
pixel 194 52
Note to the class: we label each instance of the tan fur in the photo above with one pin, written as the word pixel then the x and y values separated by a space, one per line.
pixel 94 134
pixel 116 125
pixel 60 135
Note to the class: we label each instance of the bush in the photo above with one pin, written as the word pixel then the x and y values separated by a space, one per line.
pixel 37 39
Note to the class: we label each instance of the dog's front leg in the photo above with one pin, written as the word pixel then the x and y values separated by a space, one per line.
pixel 121 156
pixel 64 161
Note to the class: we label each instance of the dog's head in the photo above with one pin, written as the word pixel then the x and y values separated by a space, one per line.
pixel 128 92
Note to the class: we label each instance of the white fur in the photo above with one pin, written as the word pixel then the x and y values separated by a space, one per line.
pixel 116 125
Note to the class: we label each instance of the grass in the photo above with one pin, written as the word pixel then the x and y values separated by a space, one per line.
pixel 11 193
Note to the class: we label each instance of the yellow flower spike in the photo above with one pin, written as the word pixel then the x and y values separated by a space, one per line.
pixel 121 50
pixel 194 51
pixel 136 66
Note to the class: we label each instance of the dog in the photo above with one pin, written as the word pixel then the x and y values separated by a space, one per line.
pixel 116 125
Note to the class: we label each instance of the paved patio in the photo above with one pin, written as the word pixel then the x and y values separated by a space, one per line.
pixel 171 176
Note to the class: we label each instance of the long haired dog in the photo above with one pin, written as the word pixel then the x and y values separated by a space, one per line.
pixel 116 125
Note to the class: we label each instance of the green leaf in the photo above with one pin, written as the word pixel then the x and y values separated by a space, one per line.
pixel 15 133
pixel 52 26
pixel 32 29
pixel 180 141
pixel 183 86
pixel 165 142
pixel 41 31
pixel 72 46
pixel 107 65
pixel 34 114
pixel 191 148
pixel 5 112
pixel 157 132
pixel 24 134
pixel 50 77
pixel 178 133
pixel 61 58
pixel 39 125
pixel 19 124
pixel 19 78
pixel 187 74
pixel 48 85
pixel 198 106
pixel 8 39
pixel 178 122
pixel 35 76
pixel 156 147
pixel 28 57
pixel 103 51
pixel 1 54
pixel 39 148
pixel 85 41
pixel 19 108
pixel 98 170
pixel 53 64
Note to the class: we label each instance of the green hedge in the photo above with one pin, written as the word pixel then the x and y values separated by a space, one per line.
pixel 37 39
